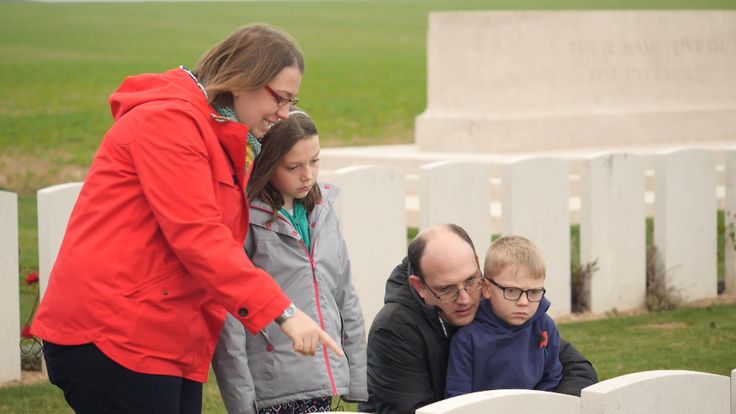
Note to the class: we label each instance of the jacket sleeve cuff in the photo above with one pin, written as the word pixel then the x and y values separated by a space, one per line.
pixel 261 311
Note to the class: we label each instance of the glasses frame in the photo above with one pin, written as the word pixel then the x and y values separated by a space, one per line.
pixel 281 100
pixel 478 280
pixel 505 289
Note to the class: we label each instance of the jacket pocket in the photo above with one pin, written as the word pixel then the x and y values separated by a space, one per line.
pixel 165 317
pixel 262 351
pixel 152 281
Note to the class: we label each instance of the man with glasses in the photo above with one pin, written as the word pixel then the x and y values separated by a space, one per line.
pixel 433 292
pixel 513 343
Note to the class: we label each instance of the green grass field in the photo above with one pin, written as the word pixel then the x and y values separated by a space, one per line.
pixel 364 84
pixel 365 79
pixel 700 339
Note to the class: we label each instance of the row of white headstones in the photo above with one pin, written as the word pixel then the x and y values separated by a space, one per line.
pixel 689 186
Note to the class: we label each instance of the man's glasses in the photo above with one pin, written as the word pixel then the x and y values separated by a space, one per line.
pixel 281 100
pixel 512 293
pixel 451 294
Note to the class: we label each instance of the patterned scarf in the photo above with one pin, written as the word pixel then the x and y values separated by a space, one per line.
pixel 254 145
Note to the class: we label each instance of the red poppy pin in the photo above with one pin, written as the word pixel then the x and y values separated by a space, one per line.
pixel 543 339
pixel 32 278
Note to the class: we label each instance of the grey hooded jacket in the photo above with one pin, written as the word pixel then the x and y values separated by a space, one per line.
pixel 257 371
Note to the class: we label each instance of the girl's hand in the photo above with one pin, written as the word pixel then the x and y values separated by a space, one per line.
pixel 307 335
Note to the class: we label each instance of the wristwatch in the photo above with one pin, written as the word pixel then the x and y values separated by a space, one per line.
pixel 288 313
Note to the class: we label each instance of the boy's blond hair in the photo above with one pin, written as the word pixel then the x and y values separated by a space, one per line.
pixel 513 250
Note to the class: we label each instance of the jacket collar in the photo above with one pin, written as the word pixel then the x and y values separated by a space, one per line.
pixel 399 290
pixel 233 136
pixel 488 317
pixel 260 213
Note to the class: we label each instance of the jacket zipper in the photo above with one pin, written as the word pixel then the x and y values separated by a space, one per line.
pixel 313 265
pixel 319 312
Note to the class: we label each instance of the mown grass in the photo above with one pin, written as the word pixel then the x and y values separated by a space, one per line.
pixel 700 339
pixel 365 83
pixel 47 398
pixel 365 79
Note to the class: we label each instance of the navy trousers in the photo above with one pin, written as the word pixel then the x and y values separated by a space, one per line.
pixel 94 383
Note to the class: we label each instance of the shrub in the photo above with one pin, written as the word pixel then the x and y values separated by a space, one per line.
pixel 660 296
pixel 580 275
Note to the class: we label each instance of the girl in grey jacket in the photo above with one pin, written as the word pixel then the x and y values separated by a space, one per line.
pixel 294 235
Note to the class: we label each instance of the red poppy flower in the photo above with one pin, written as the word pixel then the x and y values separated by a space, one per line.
pixel 544 339
pixel 32 278
pixel 26 332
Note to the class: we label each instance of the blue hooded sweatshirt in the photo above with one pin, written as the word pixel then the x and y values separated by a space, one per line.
pixel 491 354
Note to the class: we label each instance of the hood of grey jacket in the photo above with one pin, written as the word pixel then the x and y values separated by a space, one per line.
pixel 261 213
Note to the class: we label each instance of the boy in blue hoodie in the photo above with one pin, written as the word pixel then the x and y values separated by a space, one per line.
pixel 512 343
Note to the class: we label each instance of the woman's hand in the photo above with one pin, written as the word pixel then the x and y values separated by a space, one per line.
pixel 307 335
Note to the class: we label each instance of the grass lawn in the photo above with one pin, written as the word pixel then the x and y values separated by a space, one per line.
pixel 700 339
pixel 365 82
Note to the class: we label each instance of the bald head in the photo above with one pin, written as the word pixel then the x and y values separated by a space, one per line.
pixel 443 260
pixel 435 243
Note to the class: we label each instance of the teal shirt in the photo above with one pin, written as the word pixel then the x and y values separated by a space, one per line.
pixel 300 222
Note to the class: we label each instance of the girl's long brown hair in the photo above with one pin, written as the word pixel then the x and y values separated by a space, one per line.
pixel 276 143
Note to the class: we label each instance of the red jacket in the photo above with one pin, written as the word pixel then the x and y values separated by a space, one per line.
pixel 153 255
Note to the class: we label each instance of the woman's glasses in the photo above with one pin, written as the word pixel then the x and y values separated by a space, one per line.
pixel 281 100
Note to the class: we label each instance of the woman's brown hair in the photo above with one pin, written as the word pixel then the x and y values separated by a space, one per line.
pixel 276 143
pixel 246 60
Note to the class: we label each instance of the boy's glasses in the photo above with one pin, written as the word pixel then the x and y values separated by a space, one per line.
pixel 451 294
pixel 512 293
pixel 281 100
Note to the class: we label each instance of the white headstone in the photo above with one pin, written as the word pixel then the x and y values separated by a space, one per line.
pixel 459 193
pixel 9 299
pixel 55 205
pixel 685 221
pixel 670 392
pixel 536 194
pixel 506 401
pixel 730 220
pixel 373 220
pixel 613 230
pixel 733 391
pixel 516 81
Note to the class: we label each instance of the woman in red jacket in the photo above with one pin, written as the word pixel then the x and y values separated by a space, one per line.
pixel 153 259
